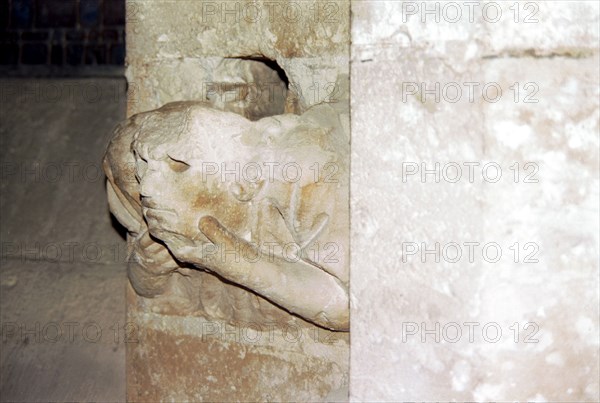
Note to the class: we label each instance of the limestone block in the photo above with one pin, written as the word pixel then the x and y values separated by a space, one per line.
pixel 463 30
pixel 392 210
pixel 551 209
pixel 411 91
pixel 174 46
pixel 245 362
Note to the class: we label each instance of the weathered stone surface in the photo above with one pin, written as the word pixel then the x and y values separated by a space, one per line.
pixel 211 249
pixel 172 55
pixel 463 31
pixel 286 69
pixel 243 362
pixel 388 212
pixel 556 356
pixel 558 213
pixel 192 202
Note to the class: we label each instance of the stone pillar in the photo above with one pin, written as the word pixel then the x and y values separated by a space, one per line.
pixel 221 53
pixel 177 358
pixel 425 314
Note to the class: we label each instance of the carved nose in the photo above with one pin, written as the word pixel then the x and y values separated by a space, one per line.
pixel 146 187
pixel 147 181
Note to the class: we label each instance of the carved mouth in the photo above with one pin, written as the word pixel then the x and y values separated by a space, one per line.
pixel 147 202
pixel 150 205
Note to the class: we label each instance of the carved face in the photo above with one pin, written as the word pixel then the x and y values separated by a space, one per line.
pixel 193 162
pixel 176 156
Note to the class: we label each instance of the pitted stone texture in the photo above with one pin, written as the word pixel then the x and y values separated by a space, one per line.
pixel 174 210
pixel 225 29
pixel 275 362
pixel 196 51
pixel 186 206
pixel 460 31
pixel 171 55
pixel 558 136
pixel 559 293
pixel 388 211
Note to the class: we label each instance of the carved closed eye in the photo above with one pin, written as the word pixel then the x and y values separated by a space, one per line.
pixel 177 165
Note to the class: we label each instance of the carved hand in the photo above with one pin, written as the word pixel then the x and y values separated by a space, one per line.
pixel 298 286
pixel 151 266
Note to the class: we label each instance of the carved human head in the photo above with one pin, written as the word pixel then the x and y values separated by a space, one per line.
pixel 193 161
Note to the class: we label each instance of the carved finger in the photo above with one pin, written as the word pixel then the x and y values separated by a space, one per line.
pixel 216 233
pixel 224 240
pixel 145 240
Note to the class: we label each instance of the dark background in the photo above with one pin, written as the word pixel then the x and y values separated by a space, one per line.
pixel 61 36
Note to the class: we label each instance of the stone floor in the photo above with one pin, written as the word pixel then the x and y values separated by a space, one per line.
pixel 62 276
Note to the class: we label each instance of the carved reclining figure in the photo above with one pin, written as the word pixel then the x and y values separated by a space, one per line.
pixel 261 207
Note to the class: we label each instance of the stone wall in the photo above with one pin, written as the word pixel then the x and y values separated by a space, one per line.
pixel 424 319
pixel 474 189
